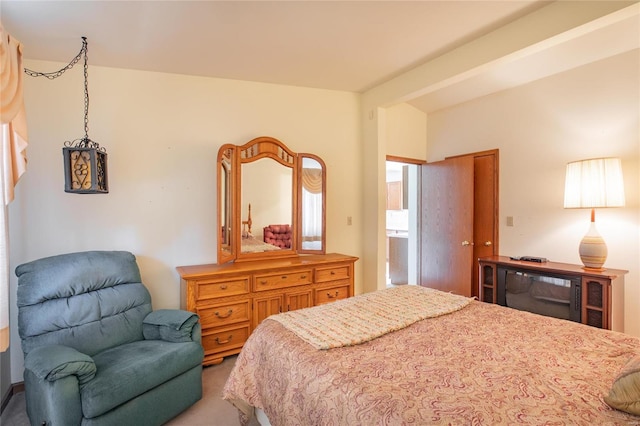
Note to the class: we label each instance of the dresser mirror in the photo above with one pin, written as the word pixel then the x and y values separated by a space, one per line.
pixel 311 204
pixel 266 200
pixel 226 203
pixel 271 201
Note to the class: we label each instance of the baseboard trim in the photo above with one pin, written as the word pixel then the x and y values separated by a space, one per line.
pixel 13 389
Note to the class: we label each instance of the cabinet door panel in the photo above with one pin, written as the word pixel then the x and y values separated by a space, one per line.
pixel 595 302
pixel 298 300
pixel 265 306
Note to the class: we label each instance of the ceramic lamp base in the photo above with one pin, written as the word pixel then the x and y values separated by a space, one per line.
pixel 593 250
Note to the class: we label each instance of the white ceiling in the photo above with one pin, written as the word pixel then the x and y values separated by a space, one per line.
pixel 337 45
pixel 341 45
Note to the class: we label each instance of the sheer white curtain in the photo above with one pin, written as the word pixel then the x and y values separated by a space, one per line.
pixel 312 216
pixel 13 141
pixel 311 204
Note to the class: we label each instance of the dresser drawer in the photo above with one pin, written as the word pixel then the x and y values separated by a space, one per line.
pixel 332 293
pixel 332 273
pixel 215 316
pixel 213 289
pixel 217 340
pixel 282 280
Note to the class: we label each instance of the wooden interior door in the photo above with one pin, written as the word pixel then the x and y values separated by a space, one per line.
pixel 446 237
pixel 485 211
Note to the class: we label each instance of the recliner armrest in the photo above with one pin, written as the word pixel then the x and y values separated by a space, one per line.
pixel 172 325
pixel 57 361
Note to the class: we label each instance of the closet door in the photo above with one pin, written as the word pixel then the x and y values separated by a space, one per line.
pixel 485 222
pixel 446 236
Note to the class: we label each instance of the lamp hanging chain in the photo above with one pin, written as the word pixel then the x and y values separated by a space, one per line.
pixel 86 93
pixel 85 141
pixel 56 74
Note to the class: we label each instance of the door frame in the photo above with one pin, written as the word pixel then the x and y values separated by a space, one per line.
pixel 418 163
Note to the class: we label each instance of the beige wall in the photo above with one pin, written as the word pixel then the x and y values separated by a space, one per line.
pixel 588 112
pixel 162 133
pixel 544 28
pixel 406 132
pixel 264 181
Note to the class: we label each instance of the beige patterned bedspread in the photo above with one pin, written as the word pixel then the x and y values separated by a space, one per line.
pixel 362 318
pixel 482 365
pixel 251 244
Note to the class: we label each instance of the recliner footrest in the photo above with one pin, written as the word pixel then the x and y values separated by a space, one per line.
pixel 133 369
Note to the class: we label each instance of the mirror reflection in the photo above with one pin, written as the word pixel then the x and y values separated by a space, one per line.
pixel 224 183
pixel 226 203
pixel 312 204
pixel 266 206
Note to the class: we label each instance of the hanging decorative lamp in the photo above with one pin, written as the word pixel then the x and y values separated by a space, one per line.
pixel 85 161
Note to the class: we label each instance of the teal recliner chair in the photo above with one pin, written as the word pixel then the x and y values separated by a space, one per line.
pixel 94 352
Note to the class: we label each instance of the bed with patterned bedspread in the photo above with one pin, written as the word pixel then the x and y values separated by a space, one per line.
pixel 473 363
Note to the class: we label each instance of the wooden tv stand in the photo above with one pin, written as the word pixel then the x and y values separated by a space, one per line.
pixel 602 291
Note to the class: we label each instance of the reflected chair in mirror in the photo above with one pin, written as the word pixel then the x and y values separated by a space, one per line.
pixel 278 235
pixel 94 351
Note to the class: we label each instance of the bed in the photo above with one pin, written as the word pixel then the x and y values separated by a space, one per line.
pixel 249 243
pixel 480 364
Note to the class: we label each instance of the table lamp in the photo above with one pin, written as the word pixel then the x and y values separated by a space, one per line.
pixel 591 184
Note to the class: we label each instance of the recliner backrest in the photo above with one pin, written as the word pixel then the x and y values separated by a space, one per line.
pixel 90 301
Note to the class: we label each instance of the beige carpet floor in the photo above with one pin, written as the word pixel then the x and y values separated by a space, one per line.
pixel 211 410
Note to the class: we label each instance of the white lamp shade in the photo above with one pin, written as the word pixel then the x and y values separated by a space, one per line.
pixel 590 184
pixel 594 183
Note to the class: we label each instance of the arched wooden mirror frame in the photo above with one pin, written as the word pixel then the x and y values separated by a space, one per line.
pixel 231 216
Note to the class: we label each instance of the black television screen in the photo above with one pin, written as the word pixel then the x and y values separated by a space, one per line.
pixel 545 294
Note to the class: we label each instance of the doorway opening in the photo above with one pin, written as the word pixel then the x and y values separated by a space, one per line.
pixel 402 221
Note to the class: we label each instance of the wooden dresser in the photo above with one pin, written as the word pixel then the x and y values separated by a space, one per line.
pixel 232 299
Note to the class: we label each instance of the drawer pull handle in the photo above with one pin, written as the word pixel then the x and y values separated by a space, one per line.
pixel 223 287
pixel 333 272
pixel 263 282
pixel 331 296
pixel 303 276
pixel 224 342
pixel 284 277
pixel 217 313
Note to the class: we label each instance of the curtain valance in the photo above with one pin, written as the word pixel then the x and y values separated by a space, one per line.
pixel 12 114
pixel 13 159
pixel 312 180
